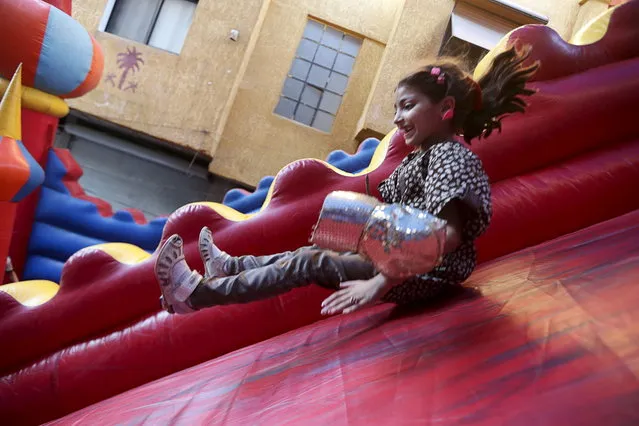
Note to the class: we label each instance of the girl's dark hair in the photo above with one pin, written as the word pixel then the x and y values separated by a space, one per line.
pixel 479 106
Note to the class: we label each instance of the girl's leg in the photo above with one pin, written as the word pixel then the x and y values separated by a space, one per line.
pixel 184 289
pixel 236 265
pixel 300 268
pixel 218 263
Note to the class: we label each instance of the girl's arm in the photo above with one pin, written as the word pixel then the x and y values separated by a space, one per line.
pixel 454 213
pixel 355 294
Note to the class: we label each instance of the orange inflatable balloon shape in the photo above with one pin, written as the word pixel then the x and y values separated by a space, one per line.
pixel 58 55
pixel 19 172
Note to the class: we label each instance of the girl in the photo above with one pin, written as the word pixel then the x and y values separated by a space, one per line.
pixel 441 176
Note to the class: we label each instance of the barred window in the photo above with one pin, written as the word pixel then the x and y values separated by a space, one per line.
pixel 313 90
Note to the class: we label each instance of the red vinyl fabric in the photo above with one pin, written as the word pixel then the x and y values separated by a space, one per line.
pixel 572 161
pixel 549 336
pixel 559 58
pixel 118 325
pixel 38 133
pixel 8 214
pixel 63 5
pixel 562 198
pixel 566 118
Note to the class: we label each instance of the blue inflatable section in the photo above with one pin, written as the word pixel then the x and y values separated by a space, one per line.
pixel 245 202
pixel 64 225
pixel 36 175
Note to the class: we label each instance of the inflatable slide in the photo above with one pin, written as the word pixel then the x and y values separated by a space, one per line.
pixel 546 332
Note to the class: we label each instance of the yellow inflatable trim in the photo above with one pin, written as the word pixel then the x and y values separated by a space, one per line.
pixel 127 254
pixel 10 108
pixel 594 30
pixel 38 292
pixel 31 293
pixel 39 101
pixel 233 215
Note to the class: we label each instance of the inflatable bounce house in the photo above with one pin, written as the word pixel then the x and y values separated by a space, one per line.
pixel 60 59
pixel 547 333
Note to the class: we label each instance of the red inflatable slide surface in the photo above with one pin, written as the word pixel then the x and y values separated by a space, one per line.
pixel 550 338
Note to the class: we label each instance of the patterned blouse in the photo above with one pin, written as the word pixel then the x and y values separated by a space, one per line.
pixel 428 180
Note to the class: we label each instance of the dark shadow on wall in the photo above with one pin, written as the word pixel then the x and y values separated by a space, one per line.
pixel 129 169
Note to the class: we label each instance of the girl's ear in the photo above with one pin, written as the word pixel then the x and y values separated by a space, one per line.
pixel 447 104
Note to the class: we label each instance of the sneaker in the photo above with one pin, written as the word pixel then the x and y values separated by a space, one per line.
pixel 212 257
pixel 177 281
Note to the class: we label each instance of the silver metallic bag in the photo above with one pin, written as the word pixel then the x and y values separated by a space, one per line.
pixel 342 220
pixel 401 241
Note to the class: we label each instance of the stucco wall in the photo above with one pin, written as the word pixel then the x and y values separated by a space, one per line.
pixel 178 98
pixel 218 96
pixel 256 142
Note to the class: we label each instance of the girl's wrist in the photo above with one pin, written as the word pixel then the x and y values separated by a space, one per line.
pixel 388 282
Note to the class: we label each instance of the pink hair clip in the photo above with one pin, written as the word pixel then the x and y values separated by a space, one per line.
pixel 437 72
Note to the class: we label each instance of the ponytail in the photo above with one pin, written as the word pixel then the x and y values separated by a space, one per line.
pixel 500 90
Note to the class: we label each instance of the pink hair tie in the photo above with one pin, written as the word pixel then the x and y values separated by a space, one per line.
pixel 437 72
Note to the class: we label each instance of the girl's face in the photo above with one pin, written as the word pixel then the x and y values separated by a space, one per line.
pixel 416 116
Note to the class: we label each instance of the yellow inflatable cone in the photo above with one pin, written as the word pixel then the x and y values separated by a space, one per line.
pixel 10 113
pixel 20 174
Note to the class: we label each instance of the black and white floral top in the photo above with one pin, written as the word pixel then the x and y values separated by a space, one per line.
pixel 428 180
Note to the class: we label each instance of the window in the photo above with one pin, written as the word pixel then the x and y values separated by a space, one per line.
pixel 314 87
pixel 159 23
pixel 473 31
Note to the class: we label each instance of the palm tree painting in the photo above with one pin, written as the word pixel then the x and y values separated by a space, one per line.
pixel 129 61
pixel 110 78
pixel 131 86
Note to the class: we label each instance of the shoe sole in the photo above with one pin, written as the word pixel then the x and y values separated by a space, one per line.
pixel 203 246
pixel 164 282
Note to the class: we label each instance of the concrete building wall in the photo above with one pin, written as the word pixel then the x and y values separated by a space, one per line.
pixel 255 141
pixel 178 98
pixel 217 96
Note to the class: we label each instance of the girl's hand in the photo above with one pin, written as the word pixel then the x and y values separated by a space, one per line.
pixel 355 295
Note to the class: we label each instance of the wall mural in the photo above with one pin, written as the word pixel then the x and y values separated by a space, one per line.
pixel 128 62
